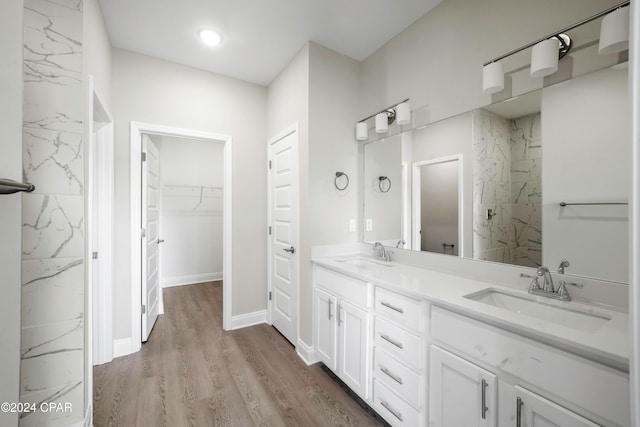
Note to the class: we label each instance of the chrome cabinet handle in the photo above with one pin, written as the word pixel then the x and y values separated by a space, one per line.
pixel 394 412
pixel 330 304
pixel 484 399
pixel 291 250
pixel 518 412
pixel 392 341
pixel 390 375
pixel 386 304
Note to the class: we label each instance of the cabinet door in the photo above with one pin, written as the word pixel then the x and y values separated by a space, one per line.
pixel 354 348
pixel 533 410
pixel 326 328
pixel 461 393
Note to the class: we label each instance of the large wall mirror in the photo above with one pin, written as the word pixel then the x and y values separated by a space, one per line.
pixel 530 180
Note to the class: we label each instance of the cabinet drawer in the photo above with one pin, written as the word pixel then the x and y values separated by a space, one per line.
pixel 352 289
pixel 392 408
pixel 399 342
pixel 397 377
pixel 405 311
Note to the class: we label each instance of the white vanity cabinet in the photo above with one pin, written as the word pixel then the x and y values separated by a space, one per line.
pixel 399 358
pixel 342 327
pixel 461 393
pixel 569 390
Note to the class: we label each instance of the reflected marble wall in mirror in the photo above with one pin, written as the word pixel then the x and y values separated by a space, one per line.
pixel 518 160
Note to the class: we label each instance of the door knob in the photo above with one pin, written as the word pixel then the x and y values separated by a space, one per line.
pixel 291 250
pixel 159 241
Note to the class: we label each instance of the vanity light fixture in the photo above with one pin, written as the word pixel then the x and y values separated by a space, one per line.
pixel 546 54
pixel 400 111
pixel 210 37
pixel 362 131
pixel 403 113
pixel 614 37
pixel 614 31
pixel 493 77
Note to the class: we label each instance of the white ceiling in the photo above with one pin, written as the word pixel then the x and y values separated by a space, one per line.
pixel 259 37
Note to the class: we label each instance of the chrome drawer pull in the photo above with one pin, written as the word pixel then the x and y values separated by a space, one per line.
pixel 392 341
pixel 484 399
pixel 386 304
pixel 388 407
pixel 390 375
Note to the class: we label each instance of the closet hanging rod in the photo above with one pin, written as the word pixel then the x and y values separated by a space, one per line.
pixel 193 186
pixel 564 30
pixel 9 186
pixel 563 204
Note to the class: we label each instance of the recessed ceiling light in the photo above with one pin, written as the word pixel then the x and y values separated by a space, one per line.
pixel 210 37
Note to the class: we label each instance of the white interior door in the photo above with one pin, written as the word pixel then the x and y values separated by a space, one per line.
pixel 283 213
pixel 150 239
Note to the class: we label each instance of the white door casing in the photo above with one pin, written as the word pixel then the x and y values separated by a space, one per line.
pixel 150 239
pixel 135 142
pixel 100 205
pixel 283 242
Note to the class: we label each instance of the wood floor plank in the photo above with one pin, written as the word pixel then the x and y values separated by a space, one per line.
pixel 192 373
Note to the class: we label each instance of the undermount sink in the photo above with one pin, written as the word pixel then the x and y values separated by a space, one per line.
pixel 364 262
pixel 553 312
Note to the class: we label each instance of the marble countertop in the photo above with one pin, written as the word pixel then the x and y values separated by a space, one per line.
pixel 608 344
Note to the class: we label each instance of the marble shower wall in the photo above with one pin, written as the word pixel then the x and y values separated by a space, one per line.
pixel 526 191
pixel 507 169
pixel 491 187
pixel 52 349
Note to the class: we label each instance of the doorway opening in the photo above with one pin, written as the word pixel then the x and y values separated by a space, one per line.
pixel 437 205
pixel 182 196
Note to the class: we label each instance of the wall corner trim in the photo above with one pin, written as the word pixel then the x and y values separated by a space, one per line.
pixel 249 319
pixel 122 347
pixel 306 352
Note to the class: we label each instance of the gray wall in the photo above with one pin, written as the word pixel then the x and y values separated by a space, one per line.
pixel 437 61
pixel 155 91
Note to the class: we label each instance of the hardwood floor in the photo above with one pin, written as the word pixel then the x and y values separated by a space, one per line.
pixel 192 373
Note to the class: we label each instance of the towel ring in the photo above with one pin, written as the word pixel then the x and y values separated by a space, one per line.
pixel 384 187
pixel 341 181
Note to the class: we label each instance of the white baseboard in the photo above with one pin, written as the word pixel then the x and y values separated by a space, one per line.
pixel 122 347
pixel 88 417
pixel 249 319
pixel 306 353
pixel 168 282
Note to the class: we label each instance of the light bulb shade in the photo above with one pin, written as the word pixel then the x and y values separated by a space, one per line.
pixel 382 122
pixel 544 57
pixel 493 77
pixel 403 113
pixel 362 132
pixel 614 32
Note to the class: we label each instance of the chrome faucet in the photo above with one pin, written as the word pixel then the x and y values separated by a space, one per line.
pixel 563 264
pixel 546 288
pixel 380 252
pixel 547 280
